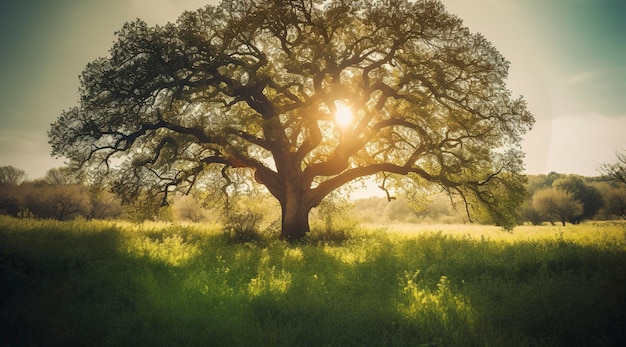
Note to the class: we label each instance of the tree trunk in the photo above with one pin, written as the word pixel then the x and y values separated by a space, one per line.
pixel 295 218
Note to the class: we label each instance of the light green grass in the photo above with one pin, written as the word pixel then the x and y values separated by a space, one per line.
pixel 158 284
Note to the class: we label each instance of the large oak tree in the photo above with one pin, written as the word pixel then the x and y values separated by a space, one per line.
pixel 306 95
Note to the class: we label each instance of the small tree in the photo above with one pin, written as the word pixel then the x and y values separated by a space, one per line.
pixel 555 204
pixel 250 216
pixel 399 211
pixel 616 170
pixel 334 214
pixel 186 207
pixel 60 202
pixel 105 205
pixel 10 175
pixel 531 214
pixel 63 176
pixel 616 202
pixel 588 195
pixel 11 199
pixel 307 96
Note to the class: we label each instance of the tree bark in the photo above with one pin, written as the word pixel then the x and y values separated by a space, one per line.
pixel 295 216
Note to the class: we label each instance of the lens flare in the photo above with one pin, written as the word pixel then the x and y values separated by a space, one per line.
pixel 343 115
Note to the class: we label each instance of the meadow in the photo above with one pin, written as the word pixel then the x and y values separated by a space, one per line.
pixel 110 283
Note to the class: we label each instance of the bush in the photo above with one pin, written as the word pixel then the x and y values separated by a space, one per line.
pixel 243 226
pixel 327 236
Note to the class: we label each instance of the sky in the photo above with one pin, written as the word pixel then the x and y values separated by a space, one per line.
pixel 568 60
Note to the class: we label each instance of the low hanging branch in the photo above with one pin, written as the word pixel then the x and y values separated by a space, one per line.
pixel 382 186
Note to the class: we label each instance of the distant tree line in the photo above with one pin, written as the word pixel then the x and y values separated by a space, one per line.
pixel 64 194
pixel 558 198
pixel 552 198
pixel 61 194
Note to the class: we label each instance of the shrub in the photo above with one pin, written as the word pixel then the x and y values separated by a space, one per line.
pixel 243 226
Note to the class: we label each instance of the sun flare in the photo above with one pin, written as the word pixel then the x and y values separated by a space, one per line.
pixel 343 115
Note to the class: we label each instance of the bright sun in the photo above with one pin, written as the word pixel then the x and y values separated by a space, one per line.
pixel 343 115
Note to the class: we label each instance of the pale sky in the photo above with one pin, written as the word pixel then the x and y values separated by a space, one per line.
pixel 568 59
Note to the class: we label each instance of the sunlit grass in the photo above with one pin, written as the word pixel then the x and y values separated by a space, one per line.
pixel 586 233
pixel 119 283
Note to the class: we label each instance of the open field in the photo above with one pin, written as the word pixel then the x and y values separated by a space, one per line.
pixel 116 283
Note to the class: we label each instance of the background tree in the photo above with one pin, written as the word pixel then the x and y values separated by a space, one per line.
pixel 10 199
pixel 399 211
pixel 104 204
pixel 59 195
pixel 531 214
pixel 186 207
pixel 61 202
pixel 334 214
pixel 588 195
pixel 617 170
pixel 306 96
pixel 63 176
pixel 556 204
pixel 10 175
pixel 538 182
pixel 616 202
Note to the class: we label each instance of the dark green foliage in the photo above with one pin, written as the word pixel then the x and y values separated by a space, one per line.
pixel 589 196
pixel 531 214
pixel 616 202
pixel 552 198
pixel 95 283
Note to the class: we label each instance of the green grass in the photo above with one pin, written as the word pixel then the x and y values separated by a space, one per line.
pixel 112 284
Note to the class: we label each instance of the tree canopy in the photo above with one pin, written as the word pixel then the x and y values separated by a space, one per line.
pixel 305 96
pixel 10 175
pixel 589 196
pixel 557 204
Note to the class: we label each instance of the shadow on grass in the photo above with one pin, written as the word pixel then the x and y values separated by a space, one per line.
pixel 101 284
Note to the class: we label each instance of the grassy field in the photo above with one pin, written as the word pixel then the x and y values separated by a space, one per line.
pixel 115 283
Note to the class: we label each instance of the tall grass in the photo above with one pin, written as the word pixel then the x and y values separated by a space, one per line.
pixel 111 284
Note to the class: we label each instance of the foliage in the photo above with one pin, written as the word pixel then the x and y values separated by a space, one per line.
pixel 616 202
pixel 243 226
pixel 616 170
pixel 43 200
pixel 556 204
pixel 398 210
pixel 436 209
pixel 588 195
pixel 114 283
pixel 257 85
pixel 334 214
pixel 187 207
pixel 11 176
pixel 599 197
pixel 58 202
pixel 10 201
pixel 532 214
pixel 105 205
pixel 63 176
pixel 250 218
